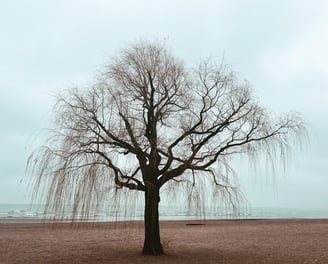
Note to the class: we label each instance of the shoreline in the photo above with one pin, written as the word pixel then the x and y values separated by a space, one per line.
pixel 28 220
pixel 35 211
pixel 215 241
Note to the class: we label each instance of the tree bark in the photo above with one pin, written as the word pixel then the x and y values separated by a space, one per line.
pixel 152 243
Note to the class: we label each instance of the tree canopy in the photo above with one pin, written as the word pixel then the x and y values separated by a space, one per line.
pixel 149 120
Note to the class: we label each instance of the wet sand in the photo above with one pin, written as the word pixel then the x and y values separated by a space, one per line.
pixel 232 241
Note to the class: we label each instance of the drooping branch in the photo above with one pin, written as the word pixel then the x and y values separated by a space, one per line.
pixel 137 185
pixel 150 119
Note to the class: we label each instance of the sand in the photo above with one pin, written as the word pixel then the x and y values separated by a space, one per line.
pixel 233 241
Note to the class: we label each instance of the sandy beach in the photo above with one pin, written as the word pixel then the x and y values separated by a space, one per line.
pixel 232 241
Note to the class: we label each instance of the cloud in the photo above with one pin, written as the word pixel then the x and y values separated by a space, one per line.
pixel 307 55
pixel 280 46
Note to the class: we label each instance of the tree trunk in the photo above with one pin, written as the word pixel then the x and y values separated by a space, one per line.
pixel 152 244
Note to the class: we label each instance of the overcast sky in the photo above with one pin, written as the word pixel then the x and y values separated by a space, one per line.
pixel 279 46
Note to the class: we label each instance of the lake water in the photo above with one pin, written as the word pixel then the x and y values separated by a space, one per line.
pixel 26 212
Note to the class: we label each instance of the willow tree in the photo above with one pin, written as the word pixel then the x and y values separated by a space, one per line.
pixel 148 121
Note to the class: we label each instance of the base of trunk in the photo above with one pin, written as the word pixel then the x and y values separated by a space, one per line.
pixel 152 249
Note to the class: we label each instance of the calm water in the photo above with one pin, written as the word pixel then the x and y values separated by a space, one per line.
pixel 35 212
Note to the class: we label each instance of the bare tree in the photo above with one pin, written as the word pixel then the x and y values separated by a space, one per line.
pixel 149 121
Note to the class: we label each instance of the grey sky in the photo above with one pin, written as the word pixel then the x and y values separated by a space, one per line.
pixel 279 46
